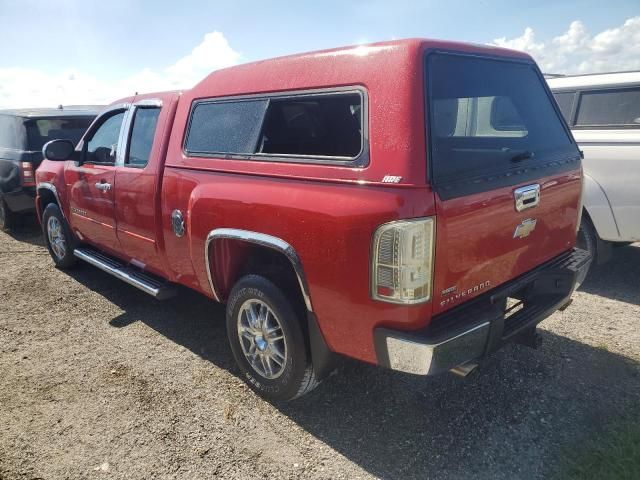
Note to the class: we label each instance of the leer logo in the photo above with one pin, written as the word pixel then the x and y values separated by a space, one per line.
pixel 391 179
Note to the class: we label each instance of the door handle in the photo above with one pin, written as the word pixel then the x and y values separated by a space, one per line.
pixel 103 186
pixel 527 197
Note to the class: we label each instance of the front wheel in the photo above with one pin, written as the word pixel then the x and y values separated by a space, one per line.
pixel 58 237
pixel 267 340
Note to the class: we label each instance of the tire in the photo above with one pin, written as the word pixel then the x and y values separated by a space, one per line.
pixel 58 237
pixel 587 240
pixel 258 314
pixel 7 217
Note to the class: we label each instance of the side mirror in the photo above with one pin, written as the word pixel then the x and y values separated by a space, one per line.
pixel 58 150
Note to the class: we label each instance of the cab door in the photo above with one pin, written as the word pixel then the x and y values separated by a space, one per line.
pixel 138 179
pixel 91 182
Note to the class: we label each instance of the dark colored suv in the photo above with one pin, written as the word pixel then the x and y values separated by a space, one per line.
pixel 23 132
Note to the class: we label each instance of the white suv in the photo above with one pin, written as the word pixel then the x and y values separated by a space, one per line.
pixel 603 111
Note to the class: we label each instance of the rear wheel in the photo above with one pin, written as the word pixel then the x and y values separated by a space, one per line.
pixel 58 237
pixel 7 217
pixel 267 340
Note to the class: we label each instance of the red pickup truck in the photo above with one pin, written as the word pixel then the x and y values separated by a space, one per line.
pixel 412 204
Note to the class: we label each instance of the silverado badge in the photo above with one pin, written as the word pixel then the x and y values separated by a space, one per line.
pixel 453 295
pixel 525 228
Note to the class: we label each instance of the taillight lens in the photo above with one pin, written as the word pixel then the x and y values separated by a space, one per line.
pixel 402 263
pixel 28 178
pixel 580 202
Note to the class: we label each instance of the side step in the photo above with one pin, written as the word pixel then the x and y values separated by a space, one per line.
pixel 145 282
pixel 465 369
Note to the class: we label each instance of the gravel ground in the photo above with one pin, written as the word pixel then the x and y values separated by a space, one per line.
pixel 97 380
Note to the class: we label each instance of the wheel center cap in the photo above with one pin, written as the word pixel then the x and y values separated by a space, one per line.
pixel 261 343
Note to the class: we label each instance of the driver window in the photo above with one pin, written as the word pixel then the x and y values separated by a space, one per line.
pixel 102 146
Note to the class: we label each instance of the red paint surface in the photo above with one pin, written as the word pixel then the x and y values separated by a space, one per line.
pixel 327 213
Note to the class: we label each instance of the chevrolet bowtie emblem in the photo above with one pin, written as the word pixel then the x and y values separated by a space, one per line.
pixel 525 228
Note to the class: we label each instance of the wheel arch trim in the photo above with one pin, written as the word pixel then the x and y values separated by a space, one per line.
pixel 597 204
pixel 261 239
pixel 52 188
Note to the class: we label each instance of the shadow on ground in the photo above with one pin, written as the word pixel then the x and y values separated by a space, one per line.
pixel 618 279
pixel 28 231
pixel 397 426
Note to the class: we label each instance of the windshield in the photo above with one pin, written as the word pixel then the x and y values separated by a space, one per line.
pixel 42 130
pixel 489 116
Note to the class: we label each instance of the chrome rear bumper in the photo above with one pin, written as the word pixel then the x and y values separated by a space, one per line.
pixel 479 327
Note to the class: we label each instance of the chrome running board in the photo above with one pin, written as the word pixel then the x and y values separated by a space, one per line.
pixel 145 282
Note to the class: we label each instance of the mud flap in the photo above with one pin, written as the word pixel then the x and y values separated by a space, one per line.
pixel 322 358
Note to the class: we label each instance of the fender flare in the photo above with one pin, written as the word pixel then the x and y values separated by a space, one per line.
pixel 52 188
pixel 597 205
pixel 261 239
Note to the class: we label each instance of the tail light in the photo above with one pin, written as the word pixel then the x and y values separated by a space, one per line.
pixel 580 202
pixel 402 263
pixel 28 177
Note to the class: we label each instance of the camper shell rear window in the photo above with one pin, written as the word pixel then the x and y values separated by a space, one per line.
pixel 489 117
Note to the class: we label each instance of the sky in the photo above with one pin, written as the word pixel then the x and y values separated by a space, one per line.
pixel 95 51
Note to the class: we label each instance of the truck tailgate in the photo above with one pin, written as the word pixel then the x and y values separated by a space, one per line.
pixel 482 241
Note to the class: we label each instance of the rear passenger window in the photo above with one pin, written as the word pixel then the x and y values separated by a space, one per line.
pixel 142 133
pixel 610 108
pixel 565 102
pixel 306 125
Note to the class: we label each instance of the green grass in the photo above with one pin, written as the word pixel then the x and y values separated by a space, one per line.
pixel 612 454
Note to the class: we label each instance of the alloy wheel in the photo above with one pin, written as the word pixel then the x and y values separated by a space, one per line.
pixel 56 237
pixel 262 339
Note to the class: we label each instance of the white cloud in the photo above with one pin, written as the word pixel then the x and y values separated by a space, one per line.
pixel 23 87
pixel 212 54
pixel 578 51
